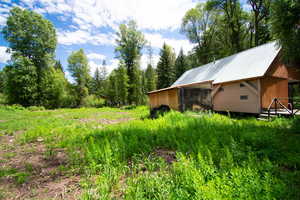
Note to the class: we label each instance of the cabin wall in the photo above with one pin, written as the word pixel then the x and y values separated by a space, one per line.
pixel 272 87
pixel 166 97
pixel 228 98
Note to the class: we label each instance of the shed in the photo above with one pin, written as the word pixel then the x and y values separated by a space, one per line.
pixel 244 82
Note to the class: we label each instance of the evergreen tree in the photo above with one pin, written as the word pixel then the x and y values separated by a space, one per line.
pixel 58 66
pixel 122 84
pixel 165 67
pixel 97 82
pixel 130 43
pixel 79 70
pixel 181 64
pixel 150 78
pixel 117 86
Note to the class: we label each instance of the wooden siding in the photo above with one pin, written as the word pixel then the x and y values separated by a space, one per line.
pixel 166 97
pixel 228 98
pixel 294 73
pixel 272 87
pixel 277 69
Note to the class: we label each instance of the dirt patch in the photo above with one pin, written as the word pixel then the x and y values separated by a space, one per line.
pixel 45 170
pixel 105 121
pixel 2 121
pixel 168 155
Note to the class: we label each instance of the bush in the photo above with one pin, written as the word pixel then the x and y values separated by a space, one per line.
pixel 36 108
pixel 3 99
pixel 93 101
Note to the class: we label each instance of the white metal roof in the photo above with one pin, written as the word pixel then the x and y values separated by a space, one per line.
pixel 247 64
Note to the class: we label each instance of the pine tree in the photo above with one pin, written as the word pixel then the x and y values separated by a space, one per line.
pixel 181 64
pixel 130 43
pixel 122 84
pixel 58 66
pixel 165 67
pixel 150 76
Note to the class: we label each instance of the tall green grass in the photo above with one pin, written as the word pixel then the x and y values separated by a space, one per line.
pixel 216 157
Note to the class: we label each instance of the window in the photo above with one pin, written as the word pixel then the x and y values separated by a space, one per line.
pixel 244 97
pixel 242 85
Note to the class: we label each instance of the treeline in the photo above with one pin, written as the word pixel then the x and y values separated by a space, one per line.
pixel 217 28
pixel 221 28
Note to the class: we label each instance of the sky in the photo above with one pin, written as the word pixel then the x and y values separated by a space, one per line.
pixel 92 25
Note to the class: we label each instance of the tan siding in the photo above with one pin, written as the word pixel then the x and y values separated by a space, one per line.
pixel 165 97
pixel 273 88
pixel 229 98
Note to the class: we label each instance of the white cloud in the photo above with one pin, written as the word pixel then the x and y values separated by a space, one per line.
pixel 145 61
pixel 112 64
pixel 85 37
pixel 157 40
pixel 4 56
pixel 96 56
pixel 154 14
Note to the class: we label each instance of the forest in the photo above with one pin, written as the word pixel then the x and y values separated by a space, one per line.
pixel 91 136
pixel 218 28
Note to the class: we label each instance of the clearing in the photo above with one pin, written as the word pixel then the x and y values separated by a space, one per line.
pixel 110 153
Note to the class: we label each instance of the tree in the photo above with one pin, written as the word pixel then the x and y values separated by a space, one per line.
pixel 117 87
pixel 234 21
pixel 130 43
pixel 79 70
pixel 54 84
pixel 259 23
pixel 165 67
pixel 58 66
pixel 1 81
pixel 285 27
pixel 31 78
pixel 181 64
pixel 31 36
pixel 198 26
pixel 150 76
pixel 21 82
pixel 122 84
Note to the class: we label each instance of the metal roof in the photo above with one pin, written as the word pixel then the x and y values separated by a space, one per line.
pixel 247 64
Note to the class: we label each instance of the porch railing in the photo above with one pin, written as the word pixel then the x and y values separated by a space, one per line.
pixel 290 110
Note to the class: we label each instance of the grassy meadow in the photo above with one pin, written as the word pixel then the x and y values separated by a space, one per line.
pixel 110 153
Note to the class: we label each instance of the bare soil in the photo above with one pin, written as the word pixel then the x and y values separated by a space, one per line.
pixel 45 177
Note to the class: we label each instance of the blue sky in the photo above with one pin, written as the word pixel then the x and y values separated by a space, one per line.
pixel 92 24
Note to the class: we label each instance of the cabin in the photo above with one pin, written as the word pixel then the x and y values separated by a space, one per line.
pixel 246 82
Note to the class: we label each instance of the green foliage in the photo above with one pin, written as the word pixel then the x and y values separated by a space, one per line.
pixel 31 78
pixel 93 101
pixel 214 157
pixel 130 43
pixel 286 28
pixel 54 84
pixel 151 78
pixel 79 70
pixel 117 92
pixel 181 64
pixel 30 35
pixel 21 82
pixel 165 67
pixel 260 22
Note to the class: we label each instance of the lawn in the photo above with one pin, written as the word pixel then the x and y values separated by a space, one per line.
pixel 110 153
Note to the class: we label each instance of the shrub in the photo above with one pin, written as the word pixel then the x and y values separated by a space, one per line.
pixel 93 101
